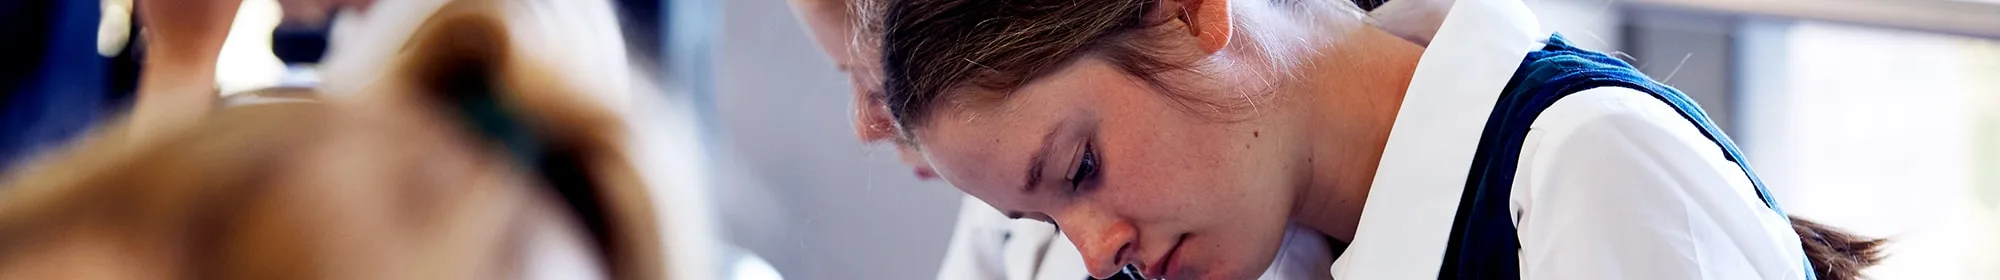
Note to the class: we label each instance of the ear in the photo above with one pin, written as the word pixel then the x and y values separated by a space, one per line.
pixel 1207 20
pixel 873 125
pixel 872 122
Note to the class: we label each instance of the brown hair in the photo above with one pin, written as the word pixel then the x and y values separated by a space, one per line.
pixel 930 47
pixel 1836 254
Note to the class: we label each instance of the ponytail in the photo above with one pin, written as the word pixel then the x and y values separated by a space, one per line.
pixel 1836 254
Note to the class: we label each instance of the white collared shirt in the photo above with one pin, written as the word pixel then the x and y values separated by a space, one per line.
pixel 1611 183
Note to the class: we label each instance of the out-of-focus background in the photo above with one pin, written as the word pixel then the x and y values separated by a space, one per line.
pixel 1881 116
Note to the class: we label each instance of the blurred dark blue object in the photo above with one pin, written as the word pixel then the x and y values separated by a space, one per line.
pixel 298 43
pixel 1369 5
pixel 53 84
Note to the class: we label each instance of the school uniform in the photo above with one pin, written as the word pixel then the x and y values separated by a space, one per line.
pixel 1517 156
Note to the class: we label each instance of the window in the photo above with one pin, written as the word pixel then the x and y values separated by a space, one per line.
pixel 1887 132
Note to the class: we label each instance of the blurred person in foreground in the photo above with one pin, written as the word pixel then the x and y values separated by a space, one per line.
pixel 59 75
pixel 1137 127
pixel 184 39
pixel 62 87
pixel 474 154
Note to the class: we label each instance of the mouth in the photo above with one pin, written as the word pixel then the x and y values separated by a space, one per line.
pixel 1170 263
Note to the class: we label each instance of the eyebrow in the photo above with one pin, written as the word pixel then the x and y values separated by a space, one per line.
pixel 1035 163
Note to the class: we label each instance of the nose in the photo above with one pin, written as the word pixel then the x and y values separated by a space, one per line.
pixel 1105 241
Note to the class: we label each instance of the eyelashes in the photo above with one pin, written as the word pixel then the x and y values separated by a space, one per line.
pixel 1086 167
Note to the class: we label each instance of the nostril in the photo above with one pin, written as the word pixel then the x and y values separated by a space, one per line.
pixel 1130 273
pixel 1124 256
pixel 1119 262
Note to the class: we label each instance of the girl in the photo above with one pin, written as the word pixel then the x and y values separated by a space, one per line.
pixel 985 244
pixel 1181 136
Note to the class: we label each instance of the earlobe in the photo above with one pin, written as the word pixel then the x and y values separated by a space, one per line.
pixel 871 119
pixel 873 125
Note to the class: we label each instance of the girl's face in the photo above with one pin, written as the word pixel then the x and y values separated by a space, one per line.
pixel 1129 176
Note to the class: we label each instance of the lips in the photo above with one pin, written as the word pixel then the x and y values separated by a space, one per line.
pixel 1167 263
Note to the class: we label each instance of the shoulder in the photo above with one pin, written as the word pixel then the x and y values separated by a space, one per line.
pixel 1620 124
pixel 1609 105
pixel 1617 168
pixel 1619 136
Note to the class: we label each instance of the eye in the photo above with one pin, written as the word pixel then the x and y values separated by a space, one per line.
pixel 1086 167
pixel 1036 217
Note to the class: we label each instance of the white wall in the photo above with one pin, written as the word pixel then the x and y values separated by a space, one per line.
pixel 1876 130
pixel 799 189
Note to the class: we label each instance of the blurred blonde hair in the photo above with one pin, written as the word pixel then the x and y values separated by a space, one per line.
pixel 452 168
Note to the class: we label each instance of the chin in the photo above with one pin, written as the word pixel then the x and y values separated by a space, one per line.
pixel 1223 273
pixel 1222 264
pixel 1239 272
pixel 1214 265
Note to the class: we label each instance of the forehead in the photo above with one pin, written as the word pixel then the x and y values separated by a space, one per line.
pixel 984 146
pixel 986 151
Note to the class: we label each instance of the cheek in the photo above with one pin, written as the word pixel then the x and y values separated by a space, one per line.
pixel 1177 173
pixel 1178 167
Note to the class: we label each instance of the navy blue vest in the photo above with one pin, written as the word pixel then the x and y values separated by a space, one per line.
pixel 1483 242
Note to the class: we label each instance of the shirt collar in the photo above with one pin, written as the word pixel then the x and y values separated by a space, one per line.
pixel 1411 205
